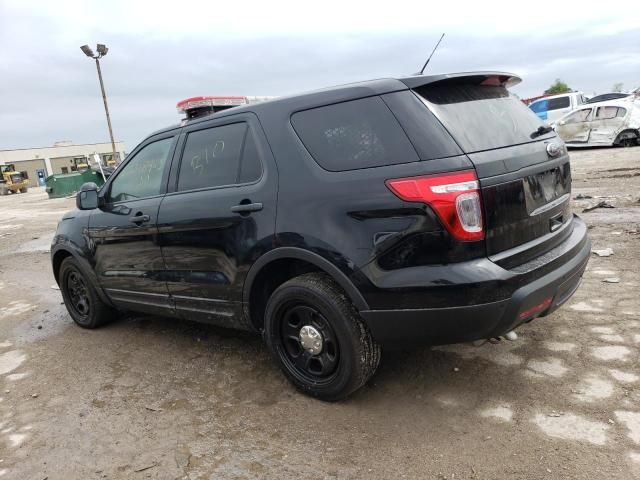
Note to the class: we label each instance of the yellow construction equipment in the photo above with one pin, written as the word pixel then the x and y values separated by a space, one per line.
pixel 12 181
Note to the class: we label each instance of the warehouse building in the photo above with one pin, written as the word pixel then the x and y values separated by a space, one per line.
pixel 62 157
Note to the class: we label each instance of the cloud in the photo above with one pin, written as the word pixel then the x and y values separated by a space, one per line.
pixel 159 55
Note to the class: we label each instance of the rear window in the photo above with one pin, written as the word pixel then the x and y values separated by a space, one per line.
pixel 351 135
pixel 558 103
pixel 481 117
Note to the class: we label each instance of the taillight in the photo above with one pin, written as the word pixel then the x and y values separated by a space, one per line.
pixel 455 197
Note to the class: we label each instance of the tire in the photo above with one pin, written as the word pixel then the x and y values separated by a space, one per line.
pixel 624 140
pixel 80 296
pixel 23 190
pixel 346 356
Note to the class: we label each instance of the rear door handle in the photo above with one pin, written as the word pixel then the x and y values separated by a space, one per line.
pixel 138 219
pixel 246 208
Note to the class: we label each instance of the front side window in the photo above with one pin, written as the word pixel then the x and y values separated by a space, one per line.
pixel 219 156
pixel 142 176
pixel 558 103
pixel 621 112
pixel 579 116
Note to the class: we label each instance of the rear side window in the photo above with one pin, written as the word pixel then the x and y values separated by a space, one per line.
pixel 605 113
pixel 558 103
pixel 351 135
pixel 219 156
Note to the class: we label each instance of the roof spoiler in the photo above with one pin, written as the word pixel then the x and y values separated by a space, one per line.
pixel 501 79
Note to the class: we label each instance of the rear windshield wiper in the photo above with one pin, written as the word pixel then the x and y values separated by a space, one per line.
pixel 542 129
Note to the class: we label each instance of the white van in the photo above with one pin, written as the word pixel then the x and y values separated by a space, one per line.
pixel 552 108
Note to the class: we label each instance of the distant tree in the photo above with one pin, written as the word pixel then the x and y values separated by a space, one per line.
pixel 557 87
pixel 617 87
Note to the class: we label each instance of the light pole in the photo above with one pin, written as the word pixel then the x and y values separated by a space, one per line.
pixel 102 51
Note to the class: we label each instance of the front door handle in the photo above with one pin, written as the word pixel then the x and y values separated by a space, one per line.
pixel 138 219
pixel 246 208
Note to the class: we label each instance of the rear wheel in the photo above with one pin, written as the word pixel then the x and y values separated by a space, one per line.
pixel 80 297
pixel 318 338
pixel 628 138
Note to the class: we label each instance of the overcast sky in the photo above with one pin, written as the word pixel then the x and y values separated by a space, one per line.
pixel 160 54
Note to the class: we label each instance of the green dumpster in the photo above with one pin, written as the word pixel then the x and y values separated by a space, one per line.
pixel 64 184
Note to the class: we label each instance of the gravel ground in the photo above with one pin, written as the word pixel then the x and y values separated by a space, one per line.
pixel 153 398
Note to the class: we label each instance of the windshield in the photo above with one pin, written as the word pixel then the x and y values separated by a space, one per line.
pixel 481 117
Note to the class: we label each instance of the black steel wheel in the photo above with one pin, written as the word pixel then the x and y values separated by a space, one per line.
pixel 318 339
pixel 77 289
pixel 309 343
pixel 80 297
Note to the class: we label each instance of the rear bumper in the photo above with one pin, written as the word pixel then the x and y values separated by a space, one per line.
pixel 533 295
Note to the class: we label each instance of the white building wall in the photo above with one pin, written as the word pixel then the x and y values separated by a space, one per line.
pixel 12 156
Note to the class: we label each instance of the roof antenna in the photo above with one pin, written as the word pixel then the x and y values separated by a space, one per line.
pixel 434 51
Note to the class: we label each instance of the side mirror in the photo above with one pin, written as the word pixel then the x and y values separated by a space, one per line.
pixel 562 122
pixel 87 197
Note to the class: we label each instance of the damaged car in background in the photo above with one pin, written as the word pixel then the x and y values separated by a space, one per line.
pixel 610 123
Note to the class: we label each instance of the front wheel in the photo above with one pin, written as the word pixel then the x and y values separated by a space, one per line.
pixel 80 297
pixel 318 338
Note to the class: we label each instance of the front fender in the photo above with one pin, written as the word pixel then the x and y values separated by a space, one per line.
pixel 72 239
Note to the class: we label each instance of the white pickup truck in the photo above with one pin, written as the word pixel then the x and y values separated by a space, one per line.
pixel 553 107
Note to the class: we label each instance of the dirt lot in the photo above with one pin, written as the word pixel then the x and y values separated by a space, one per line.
pixel 152 398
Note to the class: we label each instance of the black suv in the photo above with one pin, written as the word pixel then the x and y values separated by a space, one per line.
pixel 421 210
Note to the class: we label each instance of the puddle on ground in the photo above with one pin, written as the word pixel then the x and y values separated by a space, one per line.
pixel 501 412
pixel 572 427
pixel 613 352
pixel 612 338
pixel 42 244
pixel 624 377
pixel 632 421
pixel 604 272
pixel 584 307
pixel 552 367
pixel 559 346
pixel 16 439
pixel 594 388
pixel 604 330
pixel 15 307
pixel 11 360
